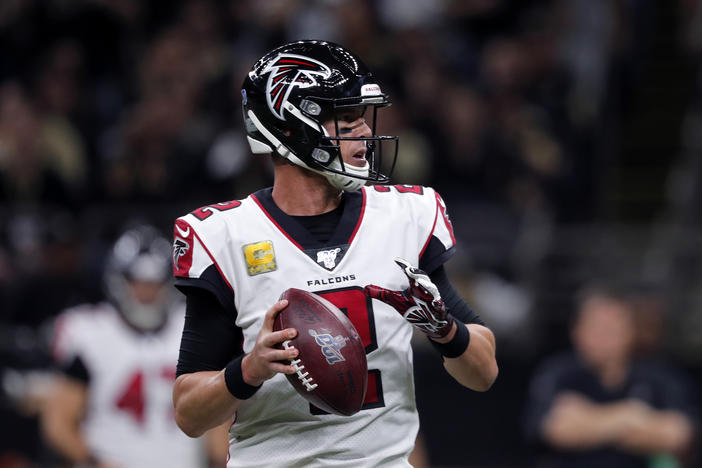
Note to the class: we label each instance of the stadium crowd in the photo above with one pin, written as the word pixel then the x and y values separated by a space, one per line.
pixel 563 136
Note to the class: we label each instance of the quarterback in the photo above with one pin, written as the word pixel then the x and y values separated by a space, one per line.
pixel 330 225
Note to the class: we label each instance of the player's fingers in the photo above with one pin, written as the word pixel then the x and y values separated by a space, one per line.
pixel 402 263
pixel 282 368
pixel 271 339
pixel 380 293
pixel 406 269
pixel 282 354
pixel 375 292
pixel 393 298
pixel 413 274
pixel 272 313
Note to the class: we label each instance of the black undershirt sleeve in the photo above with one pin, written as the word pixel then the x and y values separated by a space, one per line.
pixel 210 280
pixel 435 255
pixel 453 301
pixel 77 370
pixel 210 336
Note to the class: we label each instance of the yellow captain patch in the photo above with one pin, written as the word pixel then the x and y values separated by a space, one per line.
pixel 260 257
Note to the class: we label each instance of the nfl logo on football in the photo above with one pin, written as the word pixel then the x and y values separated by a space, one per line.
pixel 331 345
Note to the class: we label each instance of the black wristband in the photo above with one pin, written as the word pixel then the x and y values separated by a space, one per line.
pixel 457 345
pixel 234 380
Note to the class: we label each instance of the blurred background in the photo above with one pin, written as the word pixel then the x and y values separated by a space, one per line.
pixel 565 137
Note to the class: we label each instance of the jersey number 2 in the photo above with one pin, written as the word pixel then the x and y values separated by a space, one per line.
pixel 359 309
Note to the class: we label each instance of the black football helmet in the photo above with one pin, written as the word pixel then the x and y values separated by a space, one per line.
pixel 292 90
pixel 140 254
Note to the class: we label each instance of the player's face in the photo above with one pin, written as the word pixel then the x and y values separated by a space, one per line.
pixel 147 292
pixel 351 124
pixel 604 331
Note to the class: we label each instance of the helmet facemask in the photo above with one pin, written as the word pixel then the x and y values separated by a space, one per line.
pixel 328 151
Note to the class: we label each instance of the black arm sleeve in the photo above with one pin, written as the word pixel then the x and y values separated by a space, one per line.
pixel 435 256
pixel 210 336
pixel 210 280
pixel 77 370
pixel 453 301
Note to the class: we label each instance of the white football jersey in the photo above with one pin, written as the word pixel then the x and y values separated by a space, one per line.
pixel 129 421
pixel 257 252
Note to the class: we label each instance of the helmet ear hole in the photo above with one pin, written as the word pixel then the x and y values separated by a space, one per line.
pixel 311 108
pixel 321 156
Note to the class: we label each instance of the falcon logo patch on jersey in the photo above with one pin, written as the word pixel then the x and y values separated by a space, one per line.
pixel 180 248
pixel 183 238
pixel 330 345
pixel 260 257
pixel 287 72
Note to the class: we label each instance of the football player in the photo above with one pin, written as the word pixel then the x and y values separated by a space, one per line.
pixel 372 250
pixel 112 405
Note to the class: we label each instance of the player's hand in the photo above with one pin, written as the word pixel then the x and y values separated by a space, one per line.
pixel 420 304
pixel 266 359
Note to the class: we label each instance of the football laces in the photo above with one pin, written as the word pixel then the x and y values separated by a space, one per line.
pixel 303 377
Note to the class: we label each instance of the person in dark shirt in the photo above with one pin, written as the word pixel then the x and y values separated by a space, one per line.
pixel 598 407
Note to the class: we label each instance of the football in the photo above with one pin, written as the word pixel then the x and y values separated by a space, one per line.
pixel 332 372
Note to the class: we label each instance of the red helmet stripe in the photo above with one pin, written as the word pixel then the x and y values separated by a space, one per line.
pixel 298 62
pixel 275 90
pixel 279 101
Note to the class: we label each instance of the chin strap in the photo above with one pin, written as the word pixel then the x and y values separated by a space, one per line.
pixel 348 182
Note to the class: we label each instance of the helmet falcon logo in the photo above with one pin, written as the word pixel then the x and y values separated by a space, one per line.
pixel 289 71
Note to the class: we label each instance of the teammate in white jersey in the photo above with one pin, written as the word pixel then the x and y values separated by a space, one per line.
pixel 318 228
pixel 112 406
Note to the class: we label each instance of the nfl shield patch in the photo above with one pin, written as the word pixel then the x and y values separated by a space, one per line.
pixel 260 257
pixel 328 257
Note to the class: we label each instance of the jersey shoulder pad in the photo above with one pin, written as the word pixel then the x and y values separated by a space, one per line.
pixel 407 197
pixel 420 203
pixel 76 324
pixel 214 210
pixel 199 238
